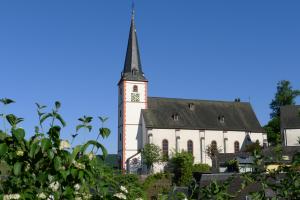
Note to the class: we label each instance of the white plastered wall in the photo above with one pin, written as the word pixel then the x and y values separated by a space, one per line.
pixel 201 138
pixel 130 126
pixel 291 137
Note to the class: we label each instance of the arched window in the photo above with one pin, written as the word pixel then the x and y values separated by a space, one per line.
pixel 165 149
pixel 135 88
pixel 190 147
pixel 236 146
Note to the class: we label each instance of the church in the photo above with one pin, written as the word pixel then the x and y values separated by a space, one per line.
pixel 176 124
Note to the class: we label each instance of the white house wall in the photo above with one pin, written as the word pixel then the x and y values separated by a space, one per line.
pixel 291 137
pixel 207 136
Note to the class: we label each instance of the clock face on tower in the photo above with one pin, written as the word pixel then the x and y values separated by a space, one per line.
pixel 135 97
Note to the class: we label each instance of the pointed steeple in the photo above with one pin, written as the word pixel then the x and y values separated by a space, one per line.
pixel 133 67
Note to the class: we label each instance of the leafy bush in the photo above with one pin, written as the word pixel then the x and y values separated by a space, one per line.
pixel 200 167
pixel 182 167
pixel 44 165
pixel 155 184
pixel 232 166
pixel 151 155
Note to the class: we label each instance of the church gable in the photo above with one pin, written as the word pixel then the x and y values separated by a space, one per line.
pixel 169 113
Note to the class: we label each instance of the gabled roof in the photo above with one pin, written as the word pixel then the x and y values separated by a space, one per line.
pixel 132 67
pixel 200 115
pixel 290 117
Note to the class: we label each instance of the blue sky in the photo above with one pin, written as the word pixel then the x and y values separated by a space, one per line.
pixel 74 51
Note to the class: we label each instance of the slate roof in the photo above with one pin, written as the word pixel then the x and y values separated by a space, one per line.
pixel 132 67
pixel 200 115
pixel 290 117
pixel 269 153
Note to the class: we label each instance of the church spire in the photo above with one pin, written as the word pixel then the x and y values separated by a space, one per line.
pixel 133 67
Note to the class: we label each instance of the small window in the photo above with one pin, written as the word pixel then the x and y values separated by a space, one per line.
pixel 120 113
pixel 135 88
pixel 134 72
pixel 221 119
pixel 191 106
pixel 236 146
pixel 165 149
pixel 190 147
pixel 175 117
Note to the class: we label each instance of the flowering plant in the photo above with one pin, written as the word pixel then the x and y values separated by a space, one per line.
pixel 45 166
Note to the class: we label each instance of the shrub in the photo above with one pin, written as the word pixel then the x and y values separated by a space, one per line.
pixel 201 168
pixel 182 167
pixel 232 166
pixel 44 165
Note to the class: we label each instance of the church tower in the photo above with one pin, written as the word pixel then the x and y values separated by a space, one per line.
pixel 132 99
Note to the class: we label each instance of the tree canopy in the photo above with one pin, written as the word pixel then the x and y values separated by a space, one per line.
pixel 285 95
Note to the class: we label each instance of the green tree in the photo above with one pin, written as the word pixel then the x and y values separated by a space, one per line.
pixel 212 152
pixel 150 155
pixel 285 95
pixel 182 167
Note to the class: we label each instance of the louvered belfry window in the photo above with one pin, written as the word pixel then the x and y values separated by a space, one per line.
pixel 135 88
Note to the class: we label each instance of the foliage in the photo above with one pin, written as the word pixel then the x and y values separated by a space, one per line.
pixel 273 131
pixel 285 95
pixel 182 167
pixel 212 152
pixel 45 165
pixel 150 155
pixel 153 178
pixel 200 167
pixel 232 166
pixel 253 147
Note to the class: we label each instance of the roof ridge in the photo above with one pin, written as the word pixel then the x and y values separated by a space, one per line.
pixel 200 100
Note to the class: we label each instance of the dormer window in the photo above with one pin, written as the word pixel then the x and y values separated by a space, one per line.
pixel 134 72
pixel 175 117
pixel 191 106
pixel 221 119
pixel 135 88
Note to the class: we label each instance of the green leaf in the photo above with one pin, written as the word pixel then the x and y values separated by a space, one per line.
pixel 45 144
pixel 34 149
pixel 17 168
pixel 2 135
pixel 40 106
pixel 40 113
pixel 64 174
pixel 44 117
pixel 79 127
pixel 50 154
pixel 103 119
pixel 54 134
pixel 94 143
pixel 57 105
pixel 57 163
pixel 104 132
pixel 11 119
pixel 3 149
pixel 19 134
pixel 63 123
pixel 36 129
pixel 75 152
pixel 89 127
pixel 7 101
